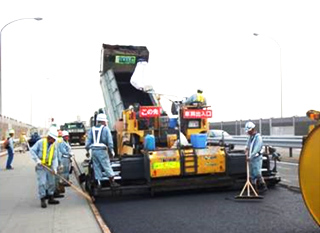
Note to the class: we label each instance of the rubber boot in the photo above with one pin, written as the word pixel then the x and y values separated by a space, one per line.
pixel 263 187
pixel 52 201
pixel 43 203
pixel 113 184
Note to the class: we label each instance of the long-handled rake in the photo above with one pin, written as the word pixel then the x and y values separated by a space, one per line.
pixel 248 186
pixel 78 190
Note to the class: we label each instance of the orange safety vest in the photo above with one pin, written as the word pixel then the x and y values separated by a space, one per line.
pixel 44 153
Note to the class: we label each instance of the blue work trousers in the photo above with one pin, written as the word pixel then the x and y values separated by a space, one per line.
pixel 46 181
pixel 66 167
pixel 10 158
pixel 101 163
pixel 255 166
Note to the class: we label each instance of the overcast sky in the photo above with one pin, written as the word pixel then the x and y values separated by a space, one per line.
pixel 52 66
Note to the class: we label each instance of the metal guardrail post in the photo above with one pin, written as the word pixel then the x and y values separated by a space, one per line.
pixel 290 152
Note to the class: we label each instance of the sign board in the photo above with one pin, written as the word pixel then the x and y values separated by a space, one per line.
pixel 149 111
pixel 128 60
pixel 197 113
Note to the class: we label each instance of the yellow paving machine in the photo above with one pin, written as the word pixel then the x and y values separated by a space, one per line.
pixel 155 150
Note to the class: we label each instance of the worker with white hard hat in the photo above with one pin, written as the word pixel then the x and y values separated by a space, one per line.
pixel 59 187
pixel 10 149
pixel 99 141
pixel 254 156
pixel 66 155
pixel 44 153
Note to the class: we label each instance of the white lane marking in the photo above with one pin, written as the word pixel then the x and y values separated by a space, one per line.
pixel 284 168
pixel 293 164
pixel 285 180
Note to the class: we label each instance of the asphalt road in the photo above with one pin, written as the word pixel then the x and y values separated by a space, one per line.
pixel 281 210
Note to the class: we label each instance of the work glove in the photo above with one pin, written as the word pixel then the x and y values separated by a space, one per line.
pixel 53 171
pixel 88 155
pixel 39 162
pixel 60 168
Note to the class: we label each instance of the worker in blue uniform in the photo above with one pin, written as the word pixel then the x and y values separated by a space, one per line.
pixel 44 153
pixel 66 155
pixel 99 141
pixel 254 156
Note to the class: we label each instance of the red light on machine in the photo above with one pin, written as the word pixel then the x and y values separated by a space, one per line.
pixel 149 111
pixel 197 113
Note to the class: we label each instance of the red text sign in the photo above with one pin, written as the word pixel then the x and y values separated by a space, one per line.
pixel 149 111
pixel 197 113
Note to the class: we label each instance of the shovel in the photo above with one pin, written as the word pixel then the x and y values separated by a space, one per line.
pixel 82 176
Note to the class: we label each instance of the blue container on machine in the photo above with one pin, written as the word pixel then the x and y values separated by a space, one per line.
pixel 199 140
pixel 149 142
pixel 173 123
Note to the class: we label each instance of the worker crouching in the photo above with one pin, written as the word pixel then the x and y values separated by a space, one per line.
pixel 44 153
pixel 99 139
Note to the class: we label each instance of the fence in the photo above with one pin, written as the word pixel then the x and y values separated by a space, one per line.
pixel 295 126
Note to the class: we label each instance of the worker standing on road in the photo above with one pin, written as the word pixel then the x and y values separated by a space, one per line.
pixel 254 155
pixel 10 150
pixel 99 140
pixel 66 155
pixel 44 153
pixel 196 98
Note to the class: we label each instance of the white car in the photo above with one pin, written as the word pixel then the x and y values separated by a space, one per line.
pixel 220 135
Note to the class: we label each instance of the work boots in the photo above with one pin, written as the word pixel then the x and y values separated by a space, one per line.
pixel 113 184
pixel 43 203
pixel 52 201
pixel 261 186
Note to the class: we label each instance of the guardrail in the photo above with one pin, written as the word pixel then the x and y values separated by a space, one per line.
pixel 275 141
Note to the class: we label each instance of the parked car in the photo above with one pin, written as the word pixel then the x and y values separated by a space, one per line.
pixel 220 135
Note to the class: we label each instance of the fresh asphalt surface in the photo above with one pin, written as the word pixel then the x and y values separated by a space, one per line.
pixel 281 210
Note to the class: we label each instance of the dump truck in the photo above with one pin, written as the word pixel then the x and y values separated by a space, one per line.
pixel 309 167
pixel 77 132
pixel 154 150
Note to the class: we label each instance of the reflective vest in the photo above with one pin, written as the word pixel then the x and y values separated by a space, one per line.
pixel 200 98
pixel 96 140
pixel 44 153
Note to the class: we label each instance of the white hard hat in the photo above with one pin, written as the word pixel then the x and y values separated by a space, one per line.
pixel 11 131
pixel 102 117
pixel 65 133
pixel 249 126
pixel 53 132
